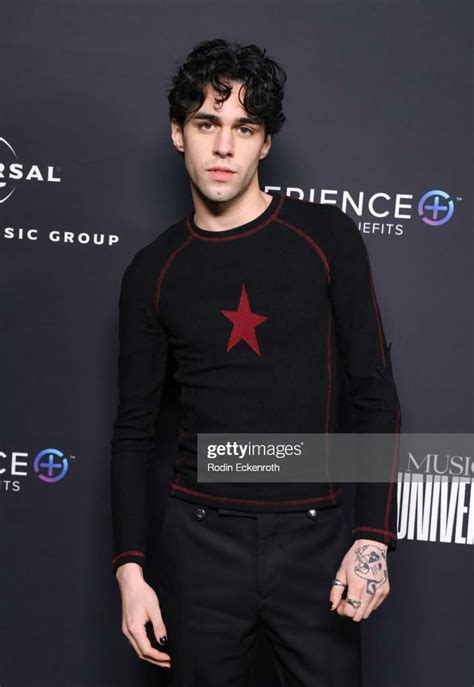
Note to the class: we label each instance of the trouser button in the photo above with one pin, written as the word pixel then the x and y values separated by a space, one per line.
pixel 200 513
pixel 312 513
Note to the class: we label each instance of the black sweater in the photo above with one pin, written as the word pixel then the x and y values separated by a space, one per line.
pixel 264 320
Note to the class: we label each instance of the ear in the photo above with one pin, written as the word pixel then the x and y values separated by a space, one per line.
pixel 177 135
pixel 266 147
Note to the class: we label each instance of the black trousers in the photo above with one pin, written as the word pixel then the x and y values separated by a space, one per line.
pixel 223 572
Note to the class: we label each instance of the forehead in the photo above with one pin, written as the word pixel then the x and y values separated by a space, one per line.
pixel 232 103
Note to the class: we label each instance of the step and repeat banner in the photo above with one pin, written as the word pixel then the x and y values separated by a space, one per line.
pixel 379 121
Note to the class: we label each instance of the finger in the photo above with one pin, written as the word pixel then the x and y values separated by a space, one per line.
pixel 131 639
pixel 378 602
pixel 133 643
pixel 350 611
pixel 159 628
pixel 366 607
pixel 146 650
pixel 336 592
pixel 380 599
pixel 371 606
pixel 354 591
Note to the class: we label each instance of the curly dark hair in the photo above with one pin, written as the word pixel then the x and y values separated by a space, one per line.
pixel 217 61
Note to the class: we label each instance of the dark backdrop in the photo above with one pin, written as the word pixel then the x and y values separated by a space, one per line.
pixel 378 102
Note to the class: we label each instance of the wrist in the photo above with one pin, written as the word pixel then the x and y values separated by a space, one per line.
pixel 129 572
pixel 365 540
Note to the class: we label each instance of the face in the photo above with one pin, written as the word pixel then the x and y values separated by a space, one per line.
pixel 221 135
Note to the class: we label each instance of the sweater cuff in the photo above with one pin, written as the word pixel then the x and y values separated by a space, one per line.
pixel 132 556
pixel 376 534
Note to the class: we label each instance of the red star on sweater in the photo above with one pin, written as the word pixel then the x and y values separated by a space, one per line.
pixel 245 321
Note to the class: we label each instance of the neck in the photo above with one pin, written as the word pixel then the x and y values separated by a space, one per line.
pixel 221 215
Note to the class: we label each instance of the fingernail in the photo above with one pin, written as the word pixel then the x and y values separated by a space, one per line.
pixel 330 605
pixel 163 639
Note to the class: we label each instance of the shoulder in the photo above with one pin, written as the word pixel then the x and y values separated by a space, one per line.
pixel 142 271
pixel 152 257
pixel 332 229
pixel 306 210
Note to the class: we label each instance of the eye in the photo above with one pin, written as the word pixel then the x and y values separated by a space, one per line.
pixel 246 129
pixel 200 126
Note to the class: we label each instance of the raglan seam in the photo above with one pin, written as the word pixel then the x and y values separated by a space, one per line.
pixel 316 247
pixel 372 288
pixel 164 269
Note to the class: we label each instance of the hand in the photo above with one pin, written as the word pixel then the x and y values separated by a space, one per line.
pixel 364 571
pixel 140 604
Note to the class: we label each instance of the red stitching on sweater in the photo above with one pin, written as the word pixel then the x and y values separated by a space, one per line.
pixel 375 529
pixel 328 401
pixel 311 242
pixel 385 530
pixel 397 425
pixel 272 217
pixel 392 474
pixel 128 553
pixel 164 269
pixel 330 496
pixel 376 306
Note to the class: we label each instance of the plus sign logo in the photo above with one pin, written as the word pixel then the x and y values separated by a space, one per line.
pixel 50 465
pixel 435 208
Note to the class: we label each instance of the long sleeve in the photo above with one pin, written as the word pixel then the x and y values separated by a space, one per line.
pixel 142 363
pixel 373 399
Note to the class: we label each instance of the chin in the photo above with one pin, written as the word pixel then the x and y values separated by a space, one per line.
pixel 219 194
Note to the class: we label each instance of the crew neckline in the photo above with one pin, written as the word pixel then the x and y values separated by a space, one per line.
pixel 242 230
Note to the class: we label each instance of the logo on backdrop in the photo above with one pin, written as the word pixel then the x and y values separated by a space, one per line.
pixel 49 465
pixel 385 212
pixel 436 498
pixel 436 208
pixel 13 171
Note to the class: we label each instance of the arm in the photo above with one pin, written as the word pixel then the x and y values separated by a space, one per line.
pixel 366 358
pixel 142 363
pixel 375 408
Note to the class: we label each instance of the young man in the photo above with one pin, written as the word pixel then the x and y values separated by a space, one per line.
pixel 265 302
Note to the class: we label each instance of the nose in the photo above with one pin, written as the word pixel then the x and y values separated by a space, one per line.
pixel 223 143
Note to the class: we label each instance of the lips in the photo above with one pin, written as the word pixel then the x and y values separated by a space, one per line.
pixel 220 174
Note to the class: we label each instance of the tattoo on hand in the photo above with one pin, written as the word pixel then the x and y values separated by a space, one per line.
pixel 371 565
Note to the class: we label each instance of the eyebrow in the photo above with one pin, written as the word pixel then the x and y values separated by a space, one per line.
pixel 215 118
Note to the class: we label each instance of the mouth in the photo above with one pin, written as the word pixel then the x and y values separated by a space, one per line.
pixel 221 174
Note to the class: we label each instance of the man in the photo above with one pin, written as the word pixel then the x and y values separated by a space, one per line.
pixel 267 304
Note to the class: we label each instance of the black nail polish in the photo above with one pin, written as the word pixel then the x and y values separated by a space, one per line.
pixel 163 639
pixel 330 605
